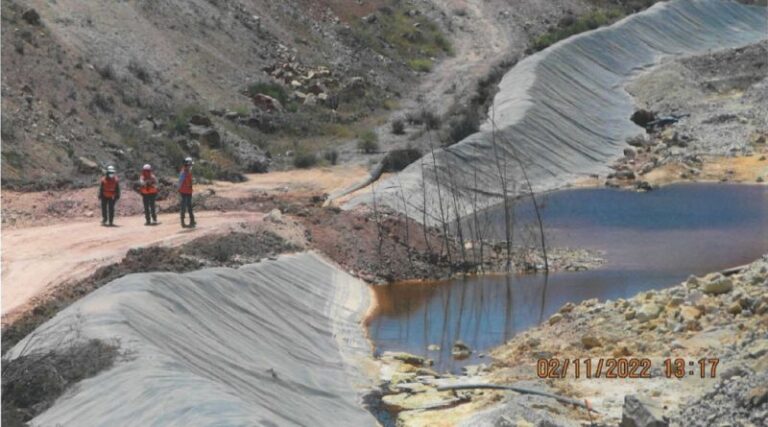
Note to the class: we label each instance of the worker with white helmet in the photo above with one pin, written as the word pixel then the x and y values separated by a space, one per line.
pixel 185 190
pixel 109 194
pixel 148 190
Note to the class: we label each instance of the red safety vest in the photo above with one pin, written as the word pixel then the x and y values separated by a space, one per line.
pixel 149 186
pixel 186 184
pixel 109 187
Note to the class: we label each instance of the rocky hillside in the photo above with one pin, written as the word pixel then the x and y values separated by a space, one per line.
pixel 246 86
pixel 87 84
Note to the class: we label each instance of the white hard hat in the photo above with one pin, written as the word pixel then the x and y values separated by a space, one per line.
pixel 188 161
pixel 147 167
pixel 110 169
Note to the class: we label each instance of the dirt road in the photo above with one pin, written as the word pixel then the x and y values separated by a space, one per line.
pixel 36 259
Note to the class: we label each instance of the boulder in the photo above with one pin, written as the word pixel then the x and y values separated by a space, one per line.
pixel 590 341
pixel 311 99
pixel 716 283
pixel 734 308
pixel 408 358
pixel 642 117
pixel 211 138
pixel 31 16
pixel 267 103
pixel 200 120
pixel 755 397
pixel 555 318
pixel 689 313
pixel 275 216
pixel 648 312
pixel 642 412
pixel 460 350
pixel 86 165
pixel 427 400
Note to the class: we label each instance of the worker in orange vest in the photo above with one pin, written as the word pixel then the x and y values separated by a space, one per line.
pixel 148 190
pixel 109 194
pixel 185 189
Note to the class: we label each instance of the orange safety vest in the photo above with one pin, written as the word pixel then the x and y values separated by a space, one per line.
pixel 109 187
pixel 149 186
pixel 186 183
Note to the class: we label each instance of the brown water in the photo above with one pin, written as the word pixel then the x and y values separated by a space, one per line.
pixel 650 241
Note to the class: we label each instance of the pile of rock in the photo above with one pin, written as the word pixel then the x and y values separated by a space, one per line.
pixel 409 386
pixel 719 315
pixel 310 85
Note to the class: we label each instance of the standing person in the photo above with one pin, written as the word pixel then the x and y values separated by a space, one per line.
pixel 185 189
pixel 109 194
pixel 148 191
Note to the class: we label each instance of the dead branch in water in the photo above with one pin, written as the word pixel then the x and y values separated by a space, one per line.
pixel 443 221
pixel 508 225
pixel 532 193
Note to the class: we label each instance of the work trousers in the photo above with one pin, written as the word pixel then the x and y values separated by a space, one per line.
pixel 107 210
pixel 149 206
pixel 186 206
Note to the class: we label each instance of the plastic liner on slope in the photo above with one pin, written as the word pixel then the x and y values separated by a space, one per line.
pixel 203 348
pixel 563 113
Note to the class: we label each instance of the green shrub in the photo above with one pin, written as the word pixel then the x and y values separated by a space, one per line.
pixel 304 159
pixel 430 119
pixel 399 33
pixel 398 127
pixel 173 152
pixel 179 123
pixel 397 160
pixel 368 142
pixel 274 90
pixel 569 26
pixel 421 65
pixel 331 156
pixel 467 124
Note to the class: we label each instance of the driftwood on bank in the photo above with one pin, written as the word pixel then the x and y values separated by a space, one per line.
pixel 520 390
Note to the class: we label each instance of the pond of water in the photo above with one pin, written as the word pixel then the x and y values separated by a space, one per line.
pixel 649 241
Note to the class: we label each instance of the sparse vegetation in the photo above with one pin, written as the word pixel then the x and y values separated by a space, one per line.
pixel 273 90
pixel 465 125
pixel 103 102
pixel 107 72
pixel 398 127
pixel 32 382
pixel 304 159
pixel 397 160
pixel 430 119
pixel 7 129
pixel 423 65
pixel 368 142
pixel 331 156
pixel 179 123
pixel 399 31
pixel 570 26
pixel 173 152
pixel 139 71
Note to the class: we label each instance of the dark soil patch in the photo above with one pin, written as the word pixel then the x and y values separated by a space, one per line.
pixel 239 248
pixel 379 251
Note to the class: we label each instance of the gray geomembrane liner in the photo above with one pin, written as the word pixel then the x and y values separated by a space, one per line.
pixel 564 111
pixel 201 346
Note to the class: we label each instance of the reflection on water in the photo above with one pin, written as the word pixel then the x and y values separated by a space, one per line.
pixel 651 240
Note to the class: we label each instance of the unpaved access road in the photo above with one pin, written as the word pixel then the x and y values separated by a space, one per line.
pixel 36 259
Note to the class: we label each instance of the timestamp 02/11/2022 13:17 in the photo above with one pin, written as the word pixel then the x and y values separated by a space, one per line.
pixel 623 367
